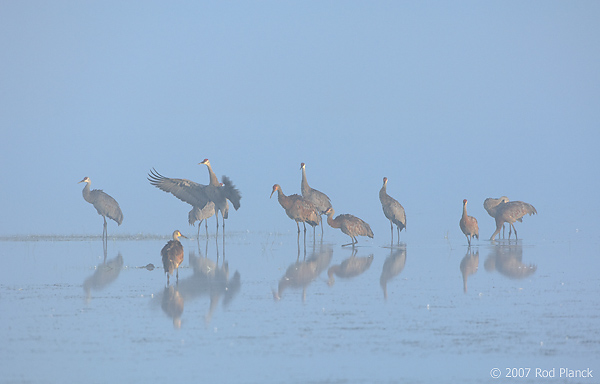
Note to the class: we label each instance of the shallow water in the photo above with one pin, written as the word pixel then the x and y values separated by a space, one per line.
pixel 261 308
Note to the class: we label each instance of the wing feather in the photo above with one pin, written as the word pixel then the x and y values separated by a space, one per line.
pixel 183 189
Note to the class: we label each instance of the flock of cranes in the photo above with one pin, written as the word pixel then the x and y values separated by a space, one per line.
pixel 308 208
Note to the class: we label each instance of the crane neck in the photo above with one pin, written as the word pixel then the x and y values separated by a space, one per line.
pixel 214 181
pixel 283 199
pixel 86 192
pixel 383 190
pixel 304 185
pixel 465 210
pixel 333 223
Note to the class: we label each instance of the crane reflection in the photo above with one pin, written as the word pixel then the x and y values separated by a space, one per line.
pixel 302 273
pixel 351 267
pixel 507 259
pixel 468 266
pixel 209 279
pixel 393 265
pixel 104 275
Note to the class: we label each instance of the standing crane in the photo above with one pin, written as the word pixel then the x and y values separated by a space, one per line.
pixel 105 205
pixel 318 198
pixel 297 208
pixel 187 191
pixel 201 214
pixel 172 255
pixel 511 212
pixel 491 206
pixel 350 225
pixel 219 193
pixel 393 210
pixel 468 224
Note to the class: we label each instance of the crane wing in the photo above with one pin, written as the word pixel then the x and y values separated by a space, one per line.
pixel 231 192
pixel 185 190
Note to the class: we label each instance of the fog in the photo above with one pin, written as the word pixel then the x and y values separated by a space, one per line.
pixel 449 101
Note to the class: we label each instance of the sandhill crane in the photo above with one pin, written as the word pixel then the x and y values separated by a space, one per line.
pixel 185 190
pixel 318 198
pixel 511 212
pixel 468 224
pixel 197 214
pixel 491 206
pixel 297 208
pixel 393 210
pixel 350 225
pixel 219 194
pixel 105 205
pixel 172 255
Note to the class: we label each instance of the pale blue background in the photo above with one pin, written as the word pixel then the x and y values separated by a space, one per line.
pixel 449 100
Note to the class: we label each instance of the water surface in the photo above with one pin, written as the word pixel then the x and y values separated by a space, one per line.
pixel 265 308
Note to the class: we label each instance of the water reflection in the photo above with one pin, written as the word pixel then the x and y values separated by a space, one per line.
pixel 301 273
pixel 105 274
pixel 209 279
pixel 351 267
pixel 469 266
pixel 507 259
pixel 393 265
pixel 172 305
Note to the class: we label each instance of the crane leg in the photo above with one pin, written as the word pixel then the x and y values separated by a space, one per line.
pixel 515 229
pixel 352 243
pixel 298 225
pixel 392 230
pixel 499 226
pixel 398 228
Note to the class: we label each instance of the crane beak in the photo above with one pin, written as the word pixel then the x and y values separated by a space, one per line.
pixel 272 194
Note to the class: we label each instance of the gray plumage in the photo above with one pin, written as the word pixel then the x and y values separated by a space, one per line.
pixel 468 224
pixel 511 212
pixel 105 205
pixel 491 206
pixel 219 193
pixel 393 210
pixel 297 208
pixel 231 192
pixel 201 214
pixel 350 225
pixel 318 198
pixel 172 255
pixel 185 190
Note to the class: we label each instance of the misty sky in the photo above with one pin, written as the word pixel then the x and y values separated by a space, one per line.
pixel 449 100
